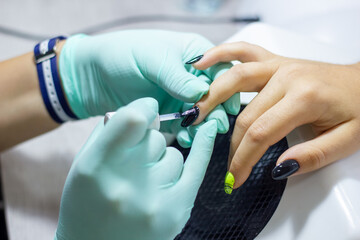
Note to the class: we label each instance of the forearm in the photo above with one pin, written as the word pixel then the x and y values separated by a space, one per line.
pixel 22 112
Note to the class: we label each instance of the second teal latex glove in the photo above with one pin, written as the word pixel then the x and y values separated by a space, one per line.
pixel 126 184
pixel 102 73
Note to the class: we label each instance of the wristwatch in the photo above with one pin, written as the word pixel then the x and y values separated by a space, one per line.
pixel 49 81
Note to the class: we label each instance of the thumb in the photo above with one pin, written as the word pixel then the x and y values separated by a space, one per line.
pixel 332 145
pixel 92 138
pixel 129 125
pixel 198 160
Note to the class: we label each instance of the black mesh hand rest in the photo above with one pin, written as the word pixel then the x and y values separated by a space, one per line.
pixel 244 213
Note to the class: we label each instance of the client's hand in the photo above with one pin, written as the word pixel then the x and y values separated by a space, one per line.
pixel 126 184
pixel 292 92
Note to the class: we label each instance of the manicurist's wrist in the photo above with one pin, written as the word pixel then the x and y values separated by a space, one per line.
pixel 58 49
pixel 68 65
pixel 47 55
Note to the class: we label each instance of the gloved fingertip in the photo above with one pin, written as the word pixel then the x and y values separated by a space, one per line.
pixel 210 128
pixel 233 110
pixel 152 103
pixel 219 115
pixel 218 69
pixel 223 126
pixel 233 104
pixel 213 126
pixel 184 139
pixel 147 107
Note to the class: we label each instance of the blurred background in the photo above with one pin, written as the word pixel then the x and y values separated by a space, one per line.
pixel 23 23
pixel 42 18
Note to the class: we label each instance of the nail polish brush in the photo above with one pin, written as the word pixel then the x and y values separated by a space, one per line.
pixel 161 118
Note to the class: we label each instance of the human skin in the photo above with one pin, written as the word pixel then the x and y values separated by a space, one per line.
pixel 23 113
pixel 292 93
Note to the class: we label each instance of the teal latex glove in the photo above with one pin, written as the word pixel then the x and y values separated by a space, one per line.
pixel 126 184
pixel 102 73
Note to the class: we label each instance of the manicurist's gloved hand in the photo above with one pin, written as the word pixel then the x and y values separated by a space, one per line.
pixel 102 73
pixel 126 184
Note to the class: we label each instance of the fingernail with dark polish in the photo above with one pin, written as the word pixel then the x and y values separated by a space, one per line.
pixel 190 116
pixel 285 169
pixel 194 60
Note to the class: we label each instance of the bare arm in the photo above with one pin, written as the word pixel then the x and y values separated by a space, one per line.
pixel 22 112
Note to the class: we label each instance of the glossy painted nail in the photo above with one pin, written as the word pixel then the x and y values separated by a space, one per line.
pixel 229 183
pixel 190 116
pixel 194 60
pixel 285 169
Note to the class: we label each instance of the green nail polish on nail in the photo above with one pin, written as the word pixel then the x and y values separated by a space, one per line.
pixel 229 183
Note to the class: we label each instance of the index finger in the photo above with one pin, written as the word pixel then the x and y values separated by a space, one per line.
pixel 247 77
pixel 232 104
pixel 242 51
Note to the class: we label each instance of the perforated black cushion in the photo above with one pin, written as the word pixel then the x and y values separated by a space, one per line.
pixel 244 213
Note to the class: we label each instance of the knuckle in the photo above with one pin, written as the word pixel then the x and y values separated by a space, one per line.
pixel 132 118
pixel 241 45
pixel 318 157
pixel 292 67
pixel 238 70
pixel 245 77
pixel 230 46
pixel 158 138
pixel 257 133
pixel 150 215
pixel 85 171
pixel 176 156
pixel 290 70
pixel 308 94
pixel 243 122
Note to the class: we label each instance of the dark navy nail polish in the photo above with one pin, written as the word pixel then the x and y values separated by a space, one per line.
pixel 190 116
pixel 285 169
pixel 194 60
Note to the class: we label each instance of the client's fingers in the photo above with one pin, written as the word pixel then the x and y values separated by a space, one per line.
pixel 332 145
pixel 269 128
pixel 268 97
pixel 248 77
pixel 242 51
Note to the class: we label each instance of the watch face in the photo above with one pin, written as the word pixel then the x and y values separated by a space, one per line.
pixel 244 213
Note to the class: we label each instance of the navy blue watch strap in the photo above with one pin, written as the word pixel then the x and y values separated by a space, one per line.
pixel 49 81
